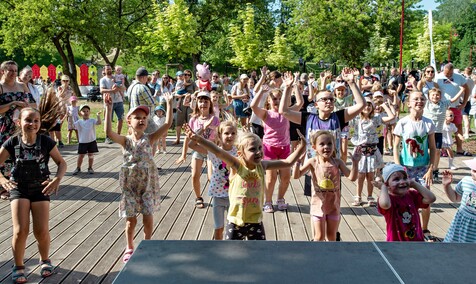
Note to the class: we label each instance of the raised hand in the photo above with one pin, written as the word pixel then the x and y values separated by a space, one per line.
pixel 348 75
pixel 288 79
pixel 302 139
pixel 357 155
pixel 447 178
pixel 168 97
pixel 264 70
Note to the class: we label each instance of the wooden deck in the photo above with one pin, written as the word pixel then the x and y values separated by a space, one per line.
pixel 87 239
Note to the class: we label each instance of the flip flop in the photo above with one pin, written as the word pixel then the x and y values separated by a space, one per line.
pixel 465 153
pixel 127 255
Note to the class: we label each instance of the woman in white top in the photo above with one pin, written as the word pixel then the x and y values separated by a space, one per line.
pixel 25 78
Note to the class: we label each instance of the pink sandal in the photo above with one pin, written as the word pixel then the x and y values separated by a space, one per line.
pixel 282 205
pixel 127 255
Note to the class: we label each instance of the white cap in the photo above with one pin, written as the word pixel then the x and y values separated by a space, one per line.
pixel 389 169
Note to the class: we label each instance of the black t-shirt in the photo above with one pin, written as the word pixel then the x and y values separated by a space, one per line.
pixel 30 153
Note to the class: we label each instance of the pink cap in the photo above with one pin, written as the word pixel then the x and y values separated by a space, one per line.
pixel 73 98
pixel 471 163
pixel 143 108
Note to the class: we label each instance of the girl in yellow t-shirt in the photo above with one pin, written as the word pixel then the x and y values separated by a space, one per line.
pixel 246 182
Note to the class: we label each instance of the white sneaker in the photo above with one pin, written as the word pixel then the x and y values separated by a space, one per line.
pixel 466 137
pixel 453 168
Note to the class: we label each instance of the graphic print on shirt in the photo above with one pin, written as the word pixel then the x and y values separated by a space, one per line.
pixel 407 221
pixel 251 187
pixel 226 174
pixel 415 146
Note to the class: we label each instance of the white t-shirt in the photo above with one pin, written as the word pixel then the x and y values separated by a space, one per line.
pixel 447 133
pixel 86 130
pixel 450 86
pixel 35 93
pixel 107 83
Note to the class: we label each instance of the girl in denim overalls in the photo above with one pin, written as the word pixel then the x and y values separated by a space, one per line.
pixel 30 187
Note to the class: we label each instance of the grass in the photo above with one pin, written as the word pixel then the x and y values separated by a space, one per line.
pixel 100 133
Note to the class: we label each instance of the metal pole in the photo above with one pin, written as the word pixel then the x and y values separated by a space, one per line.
pixel 401 35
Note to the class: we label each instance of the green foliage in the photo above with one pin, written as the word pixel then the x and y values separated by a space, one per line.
pixel 246 41
pixel 171 32
pixel 280 53
pixel 441 34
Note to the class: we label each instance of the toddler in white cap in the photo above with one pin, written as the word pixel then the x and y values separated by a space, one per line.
pixel 399 201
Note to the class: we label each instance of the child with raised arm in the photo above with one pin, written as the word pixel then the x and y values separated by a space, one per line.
pixel 30 188
pixel 87 138
pixel 326 194
pixel 276 142
pixel 414 147
pixel 246 190
pixel 365 136
pixel 399 200
pixel 138 177
pixel 463 226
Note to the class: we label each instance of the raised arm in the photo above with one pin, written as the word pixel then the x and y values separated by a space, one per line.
pixel 354 110
pixel 297 93
pixel 428 196
pixel 261 80
pixel 258 111
pixel 212 147
pixel 286 110
pixel 121 140
pixel 453 196
pixel 458 95
pixel 384 198
pixel 389 111
pixel 299 170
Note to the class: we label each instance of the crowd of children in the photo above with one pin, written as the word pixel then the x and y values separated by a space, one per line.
pixel 244 156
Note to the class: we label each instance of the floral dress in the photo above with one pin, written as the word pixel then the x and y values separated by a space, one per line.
pixel 7 126
pixel 139 179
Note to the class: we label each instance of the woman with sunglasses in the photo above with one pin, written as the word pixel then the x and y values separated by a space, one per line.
pixel 426 83
pixel 14 96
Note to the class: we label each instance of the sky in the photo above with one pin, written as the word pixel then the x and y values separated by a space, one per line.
pixel 429 4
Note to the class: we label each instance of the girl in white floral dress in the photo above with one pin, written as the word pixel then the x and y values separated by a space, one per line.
pixel 139 177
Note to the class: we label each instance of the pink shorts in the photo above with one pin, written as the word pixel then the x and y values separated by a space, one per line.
pixel 276 153
pixel 325 217
pixel 457 116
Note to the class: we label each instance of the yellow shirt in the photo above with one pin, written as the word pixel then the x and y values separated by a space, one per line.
pixel 246 194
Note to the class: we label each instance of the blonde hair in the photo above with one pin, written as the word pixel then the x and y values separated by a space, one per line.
pixel 244 138
pixel 434 90
pixel 376 87
pixel 319 133
pixel 223 125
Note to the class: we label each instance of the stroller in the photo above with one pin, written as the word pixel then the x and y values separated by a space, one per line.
pixel 94 95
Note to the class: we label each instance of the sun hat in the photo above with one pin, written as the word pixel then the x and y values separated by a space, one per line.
pixel 143 108
pixel 243 76
pixel 73 98
pixel 471 163
pixel 377 94
pixel 142 72
pixel 389 169
pixel 339 85
pixel 83 106
pixel 204 94
pixel 160 108
pixel 64 78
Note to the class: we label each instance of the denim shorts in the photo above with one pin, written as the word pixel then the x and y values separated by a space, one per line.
pixel 118 109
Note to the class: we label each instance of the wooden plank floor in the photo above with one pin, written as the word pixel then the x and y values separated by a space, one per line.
pixel 87 239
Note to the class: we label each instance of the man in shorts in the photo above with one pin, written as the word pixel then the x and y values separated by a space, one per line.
pixel 108 85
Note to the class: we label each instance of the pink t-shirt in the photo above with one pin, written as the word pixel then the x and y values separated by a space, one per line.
pixel 276 130
pixel 403 219
pixel 209 133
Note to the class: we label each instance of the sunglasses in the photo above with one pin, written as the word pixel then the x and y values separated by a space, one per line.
pixel 429 71
pixel 64 80
pixel 331 99
pixel 187 74
pixel 340 81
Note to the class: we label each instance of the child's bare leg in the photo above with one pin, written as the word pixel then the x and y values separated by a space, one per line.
pixel 271 176
pixel 425 217
pixel 284 180
pixel 20 209
pixel 360 184
pixel 148 221
pixel 319 229
pixel 196 173
pixel 332 228
pixel 130 227
pixel 69 136
pixel 343 149
pixel 90 160
pixel 80 160
pixel 40 212
pixel 218 234
pixel 370 186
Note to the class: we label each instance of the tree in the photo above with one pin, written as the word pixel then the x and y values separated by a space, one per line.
pixel 280 52
pixel 440 42
pixel 246 41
